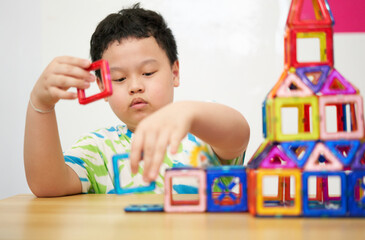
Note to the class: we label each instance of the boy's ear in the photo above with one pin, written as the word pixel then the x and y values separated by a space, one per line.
pixel 176 73
pixel 101 86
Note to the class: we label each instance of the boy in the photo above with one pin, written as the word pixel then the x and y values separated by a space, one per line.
pixel 144 68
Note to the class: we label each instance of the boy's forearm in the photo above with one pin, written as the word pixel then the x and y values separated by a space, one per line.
pixel 222 127
pixel 46 172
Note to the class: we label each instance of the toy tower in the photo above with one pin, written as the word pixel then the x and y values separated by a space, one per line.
pixel 317 169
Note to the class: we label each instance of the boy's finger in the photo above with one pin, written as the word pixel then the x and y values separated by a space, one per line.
pixel 136 152
pixel 175 140
pixel 74 71
pixel 158 156
pixel 61 94
pixel 148 152
pixel 79 62
pixel 66 82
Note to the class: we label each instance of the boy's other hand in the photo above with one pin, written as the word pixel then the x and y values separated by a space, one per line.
pixel 57 78
pixel 165 127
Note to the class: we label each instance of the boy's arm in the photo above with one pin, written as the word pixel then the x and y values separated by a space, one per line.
pixel 46 171
pixel 222 127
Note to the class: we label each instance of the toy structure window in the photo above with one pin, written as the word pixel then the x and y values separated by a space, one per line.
pixel 341 117
pixel 185 190
pixel 324 194
pixel 308 47
pixel 227 190
pixel 296 119
pixel 186 202
pixel 278 192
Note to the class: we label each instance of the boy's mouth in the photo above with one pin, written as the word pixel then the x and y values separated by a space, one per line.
pixel 138 103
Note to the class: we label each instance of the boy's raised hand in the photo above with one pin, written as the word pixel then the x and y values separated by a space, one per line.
pixel 165 127
pixel 60 75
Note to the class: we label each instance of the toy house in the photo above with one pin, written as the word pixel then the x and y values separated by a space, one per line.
pixel 313 163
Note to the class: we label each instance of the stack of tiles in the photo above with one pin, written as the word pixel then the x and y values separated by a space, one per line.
pixel 311 162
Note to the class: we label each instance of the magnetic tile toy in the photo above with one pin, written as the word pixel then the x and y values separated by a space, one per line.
pixel 232 196
pixel 117 182
pixel 106 81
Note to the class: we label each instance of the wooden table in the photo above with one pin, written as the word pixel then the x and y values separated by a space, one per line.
pixel 102 217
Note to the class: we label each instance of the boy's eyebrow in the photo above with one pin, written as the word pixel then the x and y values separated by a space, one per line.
pixel 144 62
pixel 147 61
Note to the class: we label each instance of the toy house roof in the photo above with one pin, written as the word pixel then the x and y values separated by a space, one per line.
pixel 300 14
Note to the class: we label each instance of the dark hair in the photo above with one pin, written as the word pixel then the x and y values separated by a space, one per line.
pixel 133 22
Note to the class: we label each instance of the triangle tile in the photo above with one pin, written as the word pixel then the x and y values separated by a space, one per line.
pixel 344 156
pixel 315 70
pixel 301 89
pixel 321 11
pixel 276 154
pixel 319 150
pixel 291 147
pixel 337 84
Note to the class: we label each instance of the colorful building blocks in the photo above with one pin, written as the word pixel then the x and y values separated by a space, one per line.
pixel 313 121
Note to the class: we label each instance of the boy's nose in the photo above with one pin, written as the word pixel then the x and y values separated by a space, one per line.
pixel 136 86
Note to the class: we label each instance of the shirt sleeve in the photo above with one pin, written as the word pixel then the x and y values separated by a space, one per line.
pixel 87 160
pixel 79 168
pixel 217 162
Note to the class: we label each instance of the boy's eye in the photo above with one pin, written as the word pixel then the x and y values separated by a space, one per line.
pixel 148 74
pixel 119 80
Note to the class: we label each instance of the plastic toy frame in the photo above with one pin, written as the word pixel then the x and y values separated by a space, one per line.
pixel 348 88
pixel 236 203
pixel 267 162
pixel 325 36
pixel 302 91
pixel 357 118
pixel 308 145
pixel 320 149
pixel 144 208
pixel 347 158
pixel 171 205
pixel 322 13
pixel 295 210
pixel 105 77
pixel 324 69
pixel 356 198
pixel 304 132
pixel 117 183
pixel 324 212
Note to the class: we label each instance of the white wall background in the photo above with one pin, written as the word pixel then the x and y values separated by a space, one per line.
pixel 230 52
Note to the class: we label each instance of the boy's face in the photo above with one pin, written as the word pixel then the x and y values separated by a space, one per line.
pixel 142 77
